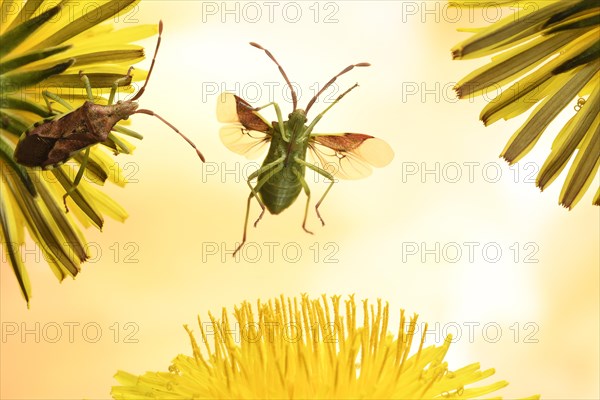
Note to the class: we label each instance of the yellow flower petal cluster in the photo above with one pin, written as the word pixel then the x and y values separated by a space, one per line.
pixel 309 349
pixel 549 53
pixel 44 46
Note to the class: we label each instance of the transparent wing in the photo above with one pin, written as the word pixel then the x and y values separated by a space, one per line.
pixel 349 155
pixel 247 132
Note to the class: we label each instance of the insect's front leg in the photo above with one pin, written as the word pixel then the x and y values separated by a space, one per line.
pixel 273 168
pixel 326 174
pixel 116 84
pixel 279 118
pixel 307 191
pixel 78 177
pixel 51 96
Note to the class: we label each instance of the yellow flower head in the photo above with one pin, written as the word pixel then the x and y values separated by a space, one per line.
pixel 550 51
pixel 44 47
pixel 309 349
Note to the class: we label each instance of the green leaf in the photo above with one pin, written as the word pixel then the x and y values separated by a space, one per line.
pixel 9 65
pixel 513 65
pixel 45 232
pixel 97 80
pixel 590 54
pixel 85 22
pixel 13 123
pixel 507 31
pixel 6 154
pixel 73 238
pixel 11 242
pixel 98 174
pixel 524 139
pixel 16 81
pixel 24 105
pixel 574 9
pixel 587 22
pixel 584 168
pixel 112 56
pixel 27 10
pixel 570 138
pixel 82 202
pixel 16 36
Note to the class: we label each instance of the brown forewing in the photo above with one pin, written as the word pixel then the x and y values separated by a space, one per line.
pixel 345 142
pixel 247 116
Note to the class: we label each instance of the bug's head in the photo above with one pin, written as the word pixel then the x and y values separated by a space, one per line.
pixel 297 117
pixel 123 109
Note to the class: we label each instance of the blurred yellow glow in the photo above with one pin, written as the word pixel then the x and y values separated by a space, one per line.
pixel 169 261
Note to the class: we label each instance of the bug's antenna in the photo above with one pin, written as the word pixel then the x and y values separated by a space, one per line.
pixel 347 69
pixel 141 91
pixel 294 97
pixel 152 113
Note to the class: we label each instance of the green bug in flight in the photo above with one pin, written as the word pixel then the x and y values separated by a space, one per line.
pixel 280 179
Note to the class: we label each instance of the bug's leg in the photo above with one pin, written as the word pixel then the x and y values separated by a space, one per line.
pixel 318 117
pixel 116 84
pixel 51 96
pixel 279 118
pixel 276 166
pixel 88 87
pixel 307 191
pixel 327 175
pixel 78 177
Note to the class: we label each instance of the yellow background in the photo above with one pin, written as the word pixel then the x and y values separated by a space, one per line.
pixel 177 209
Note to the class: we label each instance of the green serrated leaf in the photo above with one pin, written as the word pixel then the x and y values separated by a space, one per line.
pixel 564 91
pixel 85 22
pixel 16 81
pixel 575 8
pixel 97 80
pixel 6 154
pixel 13 123
pixel 571 137
pixel 27 10
pixel 47 235
pixel 584 168
pixel 93 170
pixel 83 202
pixel 509 30
pixel 73 238
pixel 590 54
pixel 16 36
pixel 24 105
pixel 518 62
pixel 11 242
pixel 12 64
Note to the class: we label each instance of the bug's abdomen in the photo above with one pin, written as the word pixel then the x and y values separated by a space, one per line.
pixel 281 190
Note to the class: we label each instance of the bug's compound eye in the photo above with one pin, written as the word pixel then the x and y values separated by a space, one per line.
pixel 289 115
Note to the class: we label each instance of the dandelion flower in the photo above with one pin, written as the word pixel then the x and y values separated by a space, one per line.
pixel 44 47
pixel 550 51
pixel 309 349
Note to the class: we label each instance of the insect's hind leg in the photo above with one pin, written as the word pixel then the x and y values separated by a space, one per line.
pixel 78 177
pixel 307 191
pixel 275 166
pixel 327 175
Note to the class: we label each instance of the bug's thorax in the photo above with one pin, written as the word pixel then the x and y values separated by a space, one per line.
pixel 296 131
